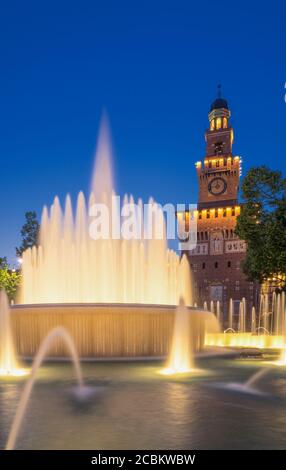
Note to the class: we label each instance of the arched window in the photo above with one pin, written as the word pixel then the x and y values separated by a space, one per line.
pixel 224 123
pixel 204 266
pixel 212 124
pixel 216 264
pixel 218 123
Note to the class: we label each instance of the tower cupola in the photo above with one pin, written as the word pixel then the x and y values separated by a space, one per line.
pixel 219 113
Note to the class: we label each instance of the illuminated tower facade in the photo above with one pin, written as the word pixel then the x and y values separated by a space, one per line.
pixel 216 260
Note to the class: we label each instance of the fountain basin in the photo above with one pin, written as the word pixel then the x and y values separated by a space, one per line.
pixel 105 330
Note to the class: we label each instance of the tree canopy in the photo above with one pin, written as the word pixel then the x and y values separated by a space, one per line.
pixel 262 224
pixel 29 233
pixel 9 279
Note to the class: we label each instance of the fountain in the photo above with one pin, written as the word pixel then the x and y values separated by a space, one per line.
pixel 241 325
pixel 116 295
pixel 50 338
pixel 282 358
pixel 181 354
pixel 8 362
pixel 253 320
pixel 266 312
pixel 230 314
pixel 248 386
pixel 258 336
pixel 189 329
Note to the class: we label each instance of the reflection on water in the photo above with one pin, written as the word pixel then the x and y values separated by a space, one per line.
pixel 134 407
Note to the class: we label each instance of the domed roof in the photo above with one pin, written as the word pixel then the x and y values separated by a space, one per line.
pixel 219 103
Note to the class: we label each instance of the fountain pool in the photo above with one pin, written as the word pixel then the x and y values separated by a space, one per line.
pixel 135 407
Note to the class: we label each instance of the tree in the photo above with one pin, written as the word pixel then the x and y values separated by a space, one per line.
pixel 262 224
pixel 3 262
pixel 9 279
pixel 29 233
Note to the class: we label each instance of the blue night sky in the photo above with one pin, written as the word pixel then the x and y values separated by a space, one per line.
pixel 154 66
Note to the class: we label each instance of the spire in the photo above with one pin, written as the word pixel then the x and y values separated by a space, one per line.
pixel 219 90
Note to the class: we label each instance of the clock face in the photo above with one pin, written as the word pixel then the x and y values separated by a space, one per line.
pixel 217 186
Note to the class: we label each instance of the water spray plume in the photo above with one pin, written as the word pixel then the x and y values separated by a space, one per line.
pixel 71 266
pixel 8 362
pixel 54 334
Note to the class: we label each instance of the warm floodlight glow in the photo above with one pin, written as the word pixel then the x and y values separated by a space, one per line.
pixel 13 372
pixel 188 329
pixel 179 370
pixel 181 356
pixel 282 359
pixel 245 340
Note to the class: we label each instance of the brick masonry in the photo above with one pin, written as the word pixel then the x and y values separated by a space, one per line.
pixel 216 261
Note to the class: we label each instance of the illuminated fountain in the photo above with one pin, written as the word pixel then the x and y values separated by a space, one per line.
pixel 73 265
pixel 230 314
pixel 253 320
pixel 57 333
pixel 259 336
pixel 218 313
pixel 182 350
pixel 8 362
pixel 282 358
pixel 250 385
pixel 242 315
pixel 188 336
pixel 115 295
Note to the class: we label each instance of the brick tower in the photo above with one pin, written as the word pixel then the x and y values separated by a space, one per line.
pixel 216 260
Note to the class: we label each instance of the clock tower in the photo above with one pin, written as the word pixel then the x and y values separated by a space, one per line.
pixel 219 174
pixel 216 261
